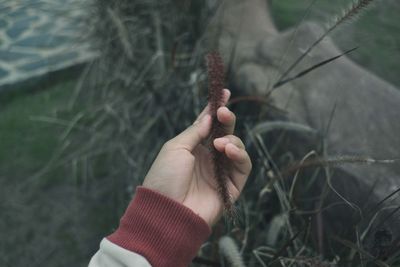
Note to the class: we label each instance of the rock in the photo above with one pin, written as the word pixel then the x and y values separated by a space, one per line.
pixel 40 36
pixel 3 23
pixel 45 27
pixel 50 62
pixel 3 73
pixel 366 121
pixel 5 9
pixel 10 56
pixel 42 41
pixel 18 13
pixel 244 24
pixel 21 26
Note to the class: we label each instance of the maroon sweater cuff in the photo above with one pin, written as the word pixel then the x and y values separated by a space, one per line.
pixel 162 230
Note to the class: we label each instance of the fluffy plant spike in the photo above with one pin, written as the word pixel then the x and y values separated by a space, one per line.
pixel 229 250
pixel 353 11
pixel 216 80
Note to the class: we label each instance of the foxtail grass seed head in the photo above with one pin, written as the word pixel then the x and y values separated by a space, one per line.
pixel 216 80
pixel 229 250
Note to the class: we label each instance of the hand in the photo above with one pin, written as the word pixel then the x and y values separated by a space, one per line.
pixel 183 170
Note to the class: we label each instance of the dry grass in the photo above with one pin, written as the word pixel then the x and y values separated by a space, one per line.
pixel 147 85
pixel 152 61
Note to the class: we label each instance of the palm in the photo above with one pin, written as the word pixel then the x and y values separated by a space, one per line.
pixel 201 190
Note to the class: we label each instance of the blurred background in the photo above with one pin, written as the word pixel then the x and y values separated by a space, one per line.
pixel 90 90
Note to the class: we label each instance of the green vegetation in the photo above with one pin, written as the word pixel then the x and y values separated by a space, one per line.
pixel 27 144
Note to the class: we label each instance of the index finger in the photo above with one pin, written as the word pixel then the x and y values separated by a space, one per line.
pixel 206 110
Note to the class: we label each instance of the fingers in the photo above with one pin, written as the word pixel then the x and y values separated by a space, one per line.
pixel 234 149
pixel 241 165
pixel 200 129
pixel 227 119
pixel 224 115
pixel 220 143
pixel 206 110
pixel 226 96
pixel 193 135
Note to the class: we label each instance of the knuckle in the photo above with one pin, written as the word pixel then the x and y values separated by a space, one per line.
pixel 237 141
pixel 231 137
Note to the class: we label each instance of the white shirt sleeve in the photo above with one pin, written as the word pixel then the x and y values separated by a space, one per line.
pixel 111 255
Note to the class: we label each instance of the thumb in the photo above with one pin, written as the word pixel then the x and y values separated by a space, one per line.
pixel 193 135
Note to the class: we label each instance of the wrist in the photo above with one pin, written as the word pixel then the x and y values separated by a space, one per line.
pixel 210 210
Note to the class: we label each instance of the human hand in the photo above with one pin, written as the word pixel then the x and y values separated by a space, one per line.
pixel 183 170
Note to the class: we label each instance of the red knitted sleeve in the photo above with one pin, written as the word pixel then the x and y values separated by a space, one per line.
pixel 162 230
